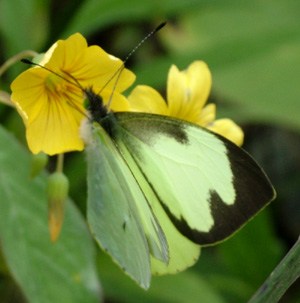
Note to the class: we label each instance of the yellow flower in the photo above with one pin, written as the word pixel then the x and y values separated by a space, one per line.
pixel 51 107
pixel 187 93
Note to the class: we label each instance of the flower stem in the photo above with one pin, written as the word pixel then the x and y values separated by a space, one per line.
pixel 284 275
pixel 60 163
pixel 5 98
pixel 15 58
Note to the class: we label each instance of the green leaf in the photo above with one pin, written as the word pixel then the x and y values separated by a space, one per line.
pixel 253 252
pixel 94 14
pixel 186 286
pixel 284 275
pixel 47 272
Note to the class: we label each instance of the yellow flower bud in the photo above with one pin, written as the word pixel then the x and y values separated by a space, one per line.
pixel 57 192
pixel 38 163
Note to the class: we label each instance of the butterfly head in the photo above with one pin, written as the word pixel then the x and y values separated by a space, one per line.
pixel 94 105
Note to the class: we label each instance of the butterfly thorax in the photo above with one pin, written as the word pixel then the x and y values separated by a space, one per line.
pixel 95 106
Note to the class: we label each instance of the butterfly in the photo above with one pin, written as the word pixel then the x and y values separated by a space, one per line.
pixel 160 187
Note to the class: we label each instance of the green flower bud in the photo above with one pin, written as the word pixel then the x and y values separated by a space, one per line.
pixel 38 163
pixel 57 192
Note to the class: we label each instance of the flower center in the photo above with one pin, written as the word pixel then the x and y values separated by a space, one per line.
pixel 55 84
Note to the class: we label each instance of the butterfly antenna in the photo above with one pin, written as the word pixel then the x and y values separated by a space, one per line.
pixel 144 40
pixel 26 61
pixel 118 72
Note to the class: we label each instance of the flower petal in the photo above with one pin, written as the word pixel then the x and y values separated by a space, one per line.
pixel 199 81
pixel 105 71
pixel 207 115
pixel 228 129
pixel 64 52
pixel 146 99
pixel 119 103
pixel 28 91
pixel 89 65
pixel 55 129
pixel 188 91
pixel 177 93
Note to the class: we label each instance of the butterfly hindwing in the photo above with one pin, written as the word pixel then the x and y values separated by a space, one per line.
pixel 119 216
pixel 183 253
pixel 206 185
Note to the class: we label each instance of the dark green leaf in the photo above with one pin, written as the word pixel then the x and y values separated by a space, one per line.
pixel 47 272
pixel 183 287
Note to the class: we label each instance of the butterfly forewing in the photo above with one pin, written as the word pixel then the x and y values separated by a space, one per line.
pixel 208 186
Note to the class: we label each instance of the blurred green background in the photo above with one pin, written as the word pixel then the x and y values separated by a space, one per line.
pixel 253 51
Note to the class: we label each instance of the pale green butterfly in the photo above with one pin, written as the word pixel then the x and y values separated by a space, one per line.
pixel 159 188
